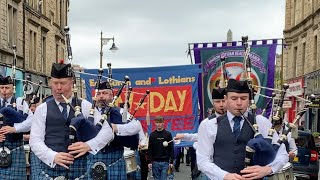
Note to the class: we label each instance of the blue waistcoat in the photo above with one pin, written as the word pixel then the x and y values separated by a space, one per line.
pixel 229 153
pixel 57 128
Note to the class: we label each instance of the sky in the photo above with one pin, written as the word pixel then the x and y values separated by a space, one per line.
pixel 152 33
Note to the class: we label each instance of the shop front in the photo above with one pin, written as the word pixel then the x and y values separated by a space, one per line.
pixel 295 90
pixel 312 82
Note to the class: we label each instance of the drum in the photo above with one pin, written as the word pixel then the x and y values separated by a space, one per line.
pixel 130 159
pixel 286 173
pixel 27 156
pixel 27 153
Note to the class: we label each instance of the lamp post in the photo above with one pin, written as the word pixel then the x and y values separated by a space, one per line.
pixel 104 41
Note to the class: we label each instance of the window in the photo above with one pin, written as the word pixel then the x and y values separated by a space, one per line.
pixel 12 25
pixel 32 50
pixel 57 18
pixel 35 50
pixel 57 52
pixel 34 4
pixel 52 17
pixel 61 14
pixel 295 53
pixel 44 7
pixel 303 59
pixel 66 12
pixel 43 54
pixel 315 52
pixel 294 12
pixel 302 10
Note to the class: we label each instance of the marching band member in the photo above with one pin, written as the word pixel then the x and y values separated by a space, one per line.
pixel 124 134
pixel 34 104
pixel 11 134
pixel 105 95
pixel 49 138
pixel 219 106
pixel 222 140
pixel 137 175
pixel 7 99
pixel 290 143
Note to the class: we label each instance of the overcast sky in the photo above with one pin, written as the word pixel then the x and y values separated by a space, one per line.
pixel 157 33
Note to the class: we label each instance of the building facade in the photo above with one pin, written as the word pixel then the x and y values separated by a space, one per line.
pixel 36 28
pixel 301 55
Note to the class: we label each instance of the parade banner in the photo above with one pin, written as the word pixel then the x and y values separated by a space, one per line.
pixel 173 95
pixel 263 67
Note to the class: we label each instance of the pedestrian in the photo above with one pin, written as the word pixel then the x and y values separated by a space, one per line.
pixel 160 152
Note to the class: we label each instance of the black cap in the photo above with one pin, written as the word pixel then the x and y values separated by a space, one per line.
pixel 237 86
pixel 104 85
pixel 6 80
pixel 218 93
pixel 35 100
pixel 61 70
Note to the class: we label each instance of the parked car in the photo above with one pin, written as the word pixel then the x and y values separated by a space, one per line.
pixel 318 148
pixel 306 163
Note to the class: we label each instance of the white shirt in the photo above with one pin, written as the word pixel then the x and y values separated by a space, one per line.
pixel 207 135
pixel 193 137
pixel 291 141
pixel 22 105
pixel 142 136
pixel 128 129
pixel 38 130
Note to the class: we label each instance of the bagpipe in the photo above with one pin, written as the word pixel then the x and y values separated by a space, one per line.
pixel 283 136
pixel 223 83
pixel 34 96
pixel 261 150
pixel 5 119
pixel 11 114
pixel 82 129
pixel 126 104
pixel 254 145
pixel 94 99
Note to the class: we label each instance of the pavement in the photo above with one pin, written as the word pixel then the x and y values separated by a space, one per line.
pixel 183 174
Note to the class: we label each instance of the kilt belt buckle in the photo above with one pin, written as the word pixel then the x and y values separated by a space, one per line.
pixel 5 157
pixel 99 171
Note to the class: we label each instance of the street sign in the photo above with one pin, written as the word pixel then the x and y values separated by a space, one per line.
pixel 287 104
pixel 315 103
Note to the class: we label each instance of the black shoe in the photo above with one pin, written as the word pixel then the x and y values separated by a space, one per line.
pixel 187 164
pixel 177 170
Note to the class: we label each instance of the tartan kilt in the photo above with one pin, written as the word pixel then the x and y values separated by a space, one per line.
pixel 137 174
pixel 116 166
pixel 18 168
pixel 41 171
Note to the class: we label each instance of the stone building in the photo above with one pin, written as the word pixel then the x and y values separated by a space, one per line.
pixel 301 55
pixel 36 28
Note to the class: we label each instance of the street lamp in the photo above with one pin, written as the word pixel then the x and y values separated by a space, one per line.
pixel 104 41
